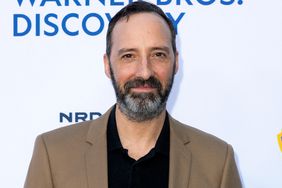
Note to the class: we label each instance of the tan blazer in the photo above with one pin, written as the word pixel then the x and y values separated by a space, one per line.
pixel 76 157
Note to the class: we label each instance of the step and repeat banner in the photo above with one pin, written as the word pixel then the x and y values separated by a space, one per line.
pixel 229 82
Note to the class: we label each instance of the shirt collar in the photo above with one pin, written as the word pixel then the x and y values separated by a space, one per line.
pixel 112 132
pixel 114 143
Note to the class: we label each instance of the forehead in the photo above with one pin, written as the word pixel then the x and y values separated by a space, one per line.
pixel 145 29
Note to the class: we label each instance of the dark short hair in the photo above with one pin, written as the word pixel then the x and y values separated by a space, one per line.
pixel 134 8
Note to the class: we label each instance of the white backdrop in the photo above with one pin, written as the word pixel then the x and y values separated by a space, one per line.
pixel 229 82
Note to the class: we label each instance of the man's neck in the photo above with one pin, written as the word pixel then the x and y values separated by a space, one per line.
pixel 138 137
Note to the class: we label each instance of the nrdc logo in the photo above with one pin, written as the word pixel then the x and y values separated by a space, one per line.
pixel 75 117
pixel 279 137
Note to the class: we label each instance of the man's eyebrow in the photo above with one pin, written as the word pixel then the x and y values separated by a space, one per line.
pixel 123 50
pixel 162 48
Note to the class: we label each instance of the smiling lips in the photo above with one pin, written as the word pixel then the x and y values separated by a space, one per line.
pixel 143 88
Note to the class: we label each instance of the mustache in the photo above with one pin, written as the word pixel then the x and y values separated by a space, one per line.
pixel 137 82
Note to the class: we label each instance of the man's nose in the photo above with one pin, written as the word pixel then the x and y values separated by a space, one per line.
pixel 144 69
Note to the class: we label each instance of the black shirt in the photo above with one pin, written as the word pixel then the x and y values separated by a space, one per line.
pixel 150 171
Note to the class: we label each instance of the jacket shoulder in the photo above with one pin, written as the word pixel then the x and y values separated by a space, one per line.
pixel 67 133
pixel 79 132
pixel 206 149
pixel 195 135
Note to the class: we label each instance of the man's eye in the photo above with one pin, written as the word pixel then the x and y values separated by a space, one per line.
pixel 160 55
pixel 127 56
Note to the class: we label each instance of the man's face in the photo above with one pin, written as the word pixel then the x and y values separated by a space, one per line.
pixel 142 65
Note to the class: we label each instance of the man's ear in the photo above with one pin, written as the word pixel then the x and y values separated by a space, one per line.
pixel 176 62
pixel 107 66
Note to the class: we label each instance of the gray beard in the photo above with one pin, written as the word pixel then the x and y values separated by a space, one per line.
pixel 142 106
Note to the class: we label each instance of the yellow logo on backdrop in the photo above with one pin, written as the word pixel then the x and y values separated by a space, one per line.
pixel 279 137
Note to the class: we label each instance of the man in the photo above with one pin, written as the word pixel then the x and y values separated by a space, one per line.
pixel 136 143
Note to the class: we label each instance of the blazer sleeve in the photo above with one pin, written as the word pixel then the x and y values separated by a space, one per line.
pixel 39 172
pixel 230 177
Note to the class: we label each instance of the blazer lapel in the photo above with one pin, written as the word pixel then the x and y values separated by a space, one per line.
pixel 96 155
pixel 180 156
